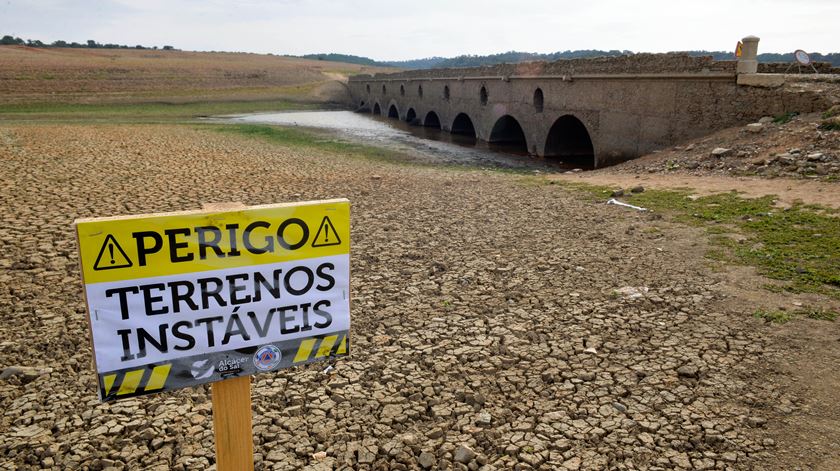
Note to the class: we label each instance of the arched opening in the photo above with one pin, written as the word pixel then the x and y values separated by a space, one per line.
pixel 384 90
pixel 393 112
pixel 446 92
pixel 361 104
pixel 420 91
pixel 568 140
pixel 402 90
pixel 463 125
pixel 432 120
pixel 483 95
pixel 508 134
pixel 367 86
pixel 538 100
pixel 377 109
pixel 410 115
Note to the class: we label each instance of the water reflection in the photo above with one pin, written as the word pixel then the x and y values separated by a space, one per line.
pixel 428 143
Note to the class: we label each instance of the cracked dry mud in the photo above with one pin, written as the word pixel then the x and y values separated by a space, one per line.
pixel 487 330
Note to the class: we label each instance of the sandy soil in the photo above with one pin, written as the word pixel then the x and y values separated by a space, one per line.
pixel 487 330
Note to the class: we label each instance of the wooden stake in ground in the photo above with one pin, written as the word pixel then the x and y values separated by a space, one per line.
pixel 232 409
pixel 232 424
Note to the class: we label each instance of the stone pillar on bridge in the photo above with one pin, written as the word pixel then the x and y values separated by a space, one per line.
pixel 748 62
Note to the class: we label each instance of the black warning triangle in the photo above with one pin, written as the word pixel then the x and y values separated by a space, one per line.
pixel 327 235
pixel 111 255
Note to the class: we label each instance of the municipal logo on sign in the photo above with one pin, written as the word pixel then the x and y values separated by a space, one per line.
pixel 267 357
pixel 202 369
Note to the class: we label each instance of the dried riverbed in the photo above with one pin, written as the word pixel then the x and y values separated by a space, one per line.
pixel 490 328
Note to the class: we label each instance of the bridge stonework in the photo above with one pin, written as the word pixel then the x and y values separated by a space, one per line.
pixel 624 107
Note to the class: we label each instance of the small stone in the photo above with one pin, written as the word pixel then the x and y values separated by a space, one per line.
pixel 755 128
pixel 320 456
pixel 721 152
pixel 756 422
pixel 637 189
pixel 617 193
pixel 688 371
pixel 572 464
pixel 376 177
pixel 26 373
pixel 814 157
pixel 766 120
pixel 484 419
pixel 426 460
pixel 463 454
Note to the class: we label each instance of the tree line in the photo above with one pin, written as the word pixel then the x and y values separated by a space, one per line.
pixel 516 56
pixel 8 40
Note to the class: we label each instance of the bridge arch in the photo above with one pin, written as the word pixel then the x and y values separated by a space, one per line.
pixel 410 115
pixel 463 124
pixel 569 140
pixel 377 109
pixel 393 111
pixel 431 120
pixel 508 132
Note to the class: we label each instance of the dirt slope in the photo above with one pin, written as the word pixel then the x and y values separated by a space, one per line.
pixel 30 75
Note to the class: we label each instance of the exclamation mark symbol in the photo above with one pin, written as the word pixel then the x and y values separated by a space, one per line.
pixel 327 234
pixel 111 249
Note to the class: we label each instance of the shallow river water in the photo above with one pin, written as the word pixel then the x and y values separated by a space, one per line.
pixel 429 144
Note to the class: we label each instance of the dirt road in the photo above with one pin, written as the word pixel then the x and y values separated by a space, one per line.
pixel 497 324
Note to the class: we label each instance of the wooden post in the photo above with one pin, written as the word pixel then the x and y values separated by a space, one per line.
pixel 232 409
pixel 232 424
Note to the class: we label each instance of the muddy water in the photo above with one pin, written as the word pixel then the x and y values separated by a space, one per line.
pixel 427 144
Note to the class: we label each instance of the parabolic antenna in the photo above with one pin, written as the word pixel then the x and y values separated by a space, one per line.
pixel 802 57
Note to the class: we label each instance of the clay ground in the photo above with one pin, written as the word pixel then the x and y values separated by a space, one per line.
pixel 487 331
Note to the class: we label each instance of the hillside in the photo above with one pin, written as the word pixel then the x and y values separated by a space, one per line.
pixel 66 75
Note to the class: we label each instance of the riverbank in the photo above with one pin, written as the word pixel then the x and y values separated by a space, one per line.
pixel 498 320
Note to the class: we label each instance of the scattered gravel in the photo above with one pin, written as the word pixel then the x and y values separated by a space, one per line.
pixel 487 329
pixel 800 148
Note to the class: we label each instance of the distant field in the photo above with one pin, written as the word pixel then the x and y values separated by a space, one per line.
pixel 47 77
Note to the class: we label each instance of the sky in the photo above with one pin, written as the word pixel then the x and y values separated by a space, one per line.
pixel 399 30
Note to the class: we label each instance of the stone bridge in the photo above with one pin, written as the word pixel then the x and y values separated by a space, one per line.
pixel 592 112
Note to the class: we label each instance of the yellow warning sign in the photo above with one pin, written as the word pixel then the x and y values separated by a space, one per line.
pixel 150 246
pixel 180 299
pixel 326 235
